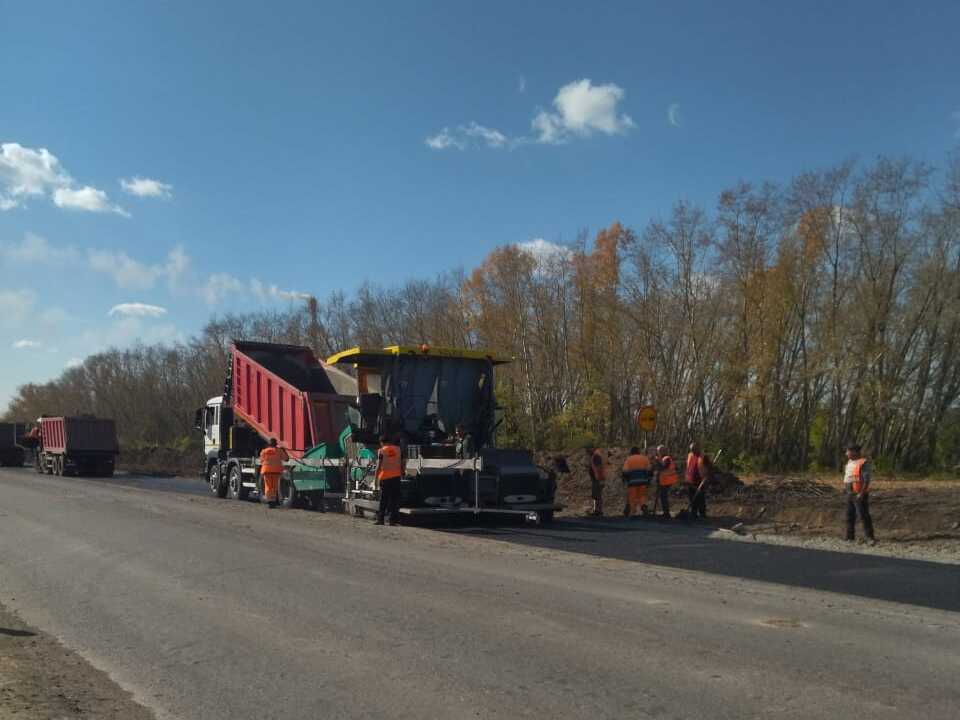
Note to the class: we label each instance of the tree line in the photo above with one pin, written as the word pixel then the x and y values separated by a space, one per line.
pixel 778 324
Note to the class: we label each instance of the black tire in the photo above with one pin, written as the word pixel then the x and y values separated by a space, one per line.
pixel 289 497
pixel 215 481
pixel 545 517
pixel 235 483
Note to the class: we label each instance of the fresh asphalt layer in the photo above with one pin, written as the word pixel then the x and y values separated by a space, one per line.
pixel 208 608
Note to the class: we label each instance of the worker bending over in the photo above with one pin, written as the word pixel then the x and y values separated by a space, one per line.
pixel 856 487
pixel 271 469
pixel 389 471
pixel 665 472
pixel 637 475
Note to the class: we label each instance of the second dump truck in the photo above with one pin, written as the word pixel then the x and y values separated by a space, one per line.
pixel 81 445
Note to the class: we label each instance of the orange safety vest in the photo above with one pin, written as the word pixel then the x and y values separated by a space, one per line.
pixel 692 474
pixel 390 465
pixel 271 460
pixel 851 475
pixel 599 469
pixel 637 470
pixel 668 472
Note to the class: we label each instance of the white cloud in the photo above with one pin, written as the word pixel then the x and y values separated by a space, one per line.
pixel 137 310
pixel 132 274
pixel 146 187
pixel 673 114
pixel 34 249
pixel 521 84
pixel 582 109
pixel 25 172
pixel 544 250
pixel 28 172
pixel 27 345
pixel 444 140
pixel 85 198
pixel 272 292
pixel 218 286
pixel 15 306
pixel 464 136
pixel 73 362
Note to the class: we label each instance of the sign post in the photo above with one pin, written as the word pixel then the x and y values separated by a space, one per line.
pixel 647 422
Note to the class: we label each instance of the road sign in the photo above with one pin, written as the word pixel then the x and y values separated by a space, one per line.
pixel 647 418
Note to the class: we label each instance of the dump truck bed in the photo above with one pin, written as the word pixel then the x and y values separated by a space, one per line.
pixel 284 392
pixel 78 435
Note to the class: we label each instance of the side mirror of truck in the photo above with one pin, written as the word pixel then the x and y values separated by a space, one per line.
pixel 198 419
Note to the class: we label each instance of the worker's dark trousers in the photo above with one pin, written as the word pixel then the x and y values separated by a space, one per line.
pixel 698 503
pixel 389 500
pixel 856 506
pixel 665 500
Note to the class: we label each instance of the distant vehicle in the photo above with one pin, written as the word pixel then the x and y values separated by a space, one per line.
pixel 11 452
pixel 283 392
pixel 80 445
pixel 439 404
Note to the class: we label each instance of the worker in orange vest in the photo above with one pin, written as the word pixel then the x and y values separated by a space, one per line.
pixel 598 478
pixel 271 468
pixel 665 471
pixel 856 487
pixel 637 474
pixel 389 471
pixel 696 476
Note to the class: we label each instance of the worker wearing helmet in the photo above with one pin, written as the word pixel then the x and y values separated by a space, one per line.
pixel 389 471
pixel 856 487
pixel 665 472
pixel 271 469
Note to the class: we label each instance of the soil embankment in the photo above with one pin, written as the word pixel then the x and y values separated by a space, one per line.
pixel 40 679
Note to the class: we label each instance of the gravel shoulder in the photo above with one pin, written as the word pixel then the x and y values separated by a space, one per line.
pixel 40 678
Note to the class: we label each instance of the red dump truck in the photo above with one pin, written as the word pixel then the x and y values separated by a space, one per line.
pixel 272 391
pixel 82 445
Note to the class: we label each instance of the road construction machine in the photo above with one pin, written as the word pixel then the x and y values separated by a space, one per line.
pixel 439 405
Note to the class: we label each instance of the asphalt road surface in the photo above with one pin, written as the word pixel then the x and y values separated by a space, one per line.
pixel 207 608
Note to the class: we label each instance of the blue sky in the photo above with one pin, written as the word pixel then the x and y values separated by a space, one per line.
pixel 166 161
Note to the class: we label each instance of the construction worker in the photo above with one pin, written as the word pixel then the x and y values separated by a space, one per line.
pixel 856 487
pixel 389 471
pixel 637 475
pixel 598 478
pixel 665 471
pixel 696 475
pixel 271 468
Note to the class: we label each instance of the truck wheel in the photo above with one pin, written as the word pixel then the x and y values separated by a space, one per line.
pixel 235 482
pixel 217 486
pixel 289 497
